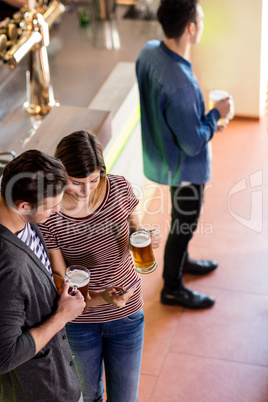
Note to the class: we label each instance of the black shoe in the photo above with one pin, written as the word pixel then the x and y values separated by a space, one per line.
pixel 186 298
pixel 199 267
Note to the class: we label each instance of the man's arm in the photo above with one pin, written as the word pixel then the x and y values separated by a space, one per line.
pixel 185 117
pixel 19 339
pixel 69 307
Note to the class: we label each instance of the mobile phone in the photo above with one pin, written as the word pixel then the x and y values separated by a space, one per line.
pixel 129 287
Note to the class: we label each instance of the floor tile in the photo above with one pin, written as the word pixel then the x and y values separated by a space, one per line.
pixel 194 379
pixel 234 329
pixel 147 384
pixel 160 326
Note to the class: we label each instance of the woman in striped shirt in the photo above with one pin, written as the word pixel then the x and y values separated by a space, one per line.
pixel 92 229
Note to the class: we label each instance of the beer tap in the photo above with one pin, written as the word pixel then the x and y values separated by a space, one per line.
pixel 33 42
pixel 8 36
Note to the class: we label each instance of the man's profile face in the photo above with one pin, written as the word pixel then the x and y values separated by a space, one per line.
pixel 42 212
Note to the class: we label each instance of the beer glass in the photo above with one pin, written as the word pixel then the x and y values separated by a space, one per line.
pixel 79 279
pixel 214 96
pixel 142 251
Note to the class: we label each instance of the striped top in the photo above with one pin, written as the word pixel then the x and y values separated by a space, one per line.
pixel 32 240
pixel 100 242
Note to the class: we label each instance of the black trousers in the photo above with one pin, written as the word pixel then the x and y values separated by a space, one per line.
pixel 186 207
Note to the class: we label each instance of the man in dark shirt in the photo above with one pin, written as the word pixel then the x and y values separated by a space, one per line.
pixel 35 359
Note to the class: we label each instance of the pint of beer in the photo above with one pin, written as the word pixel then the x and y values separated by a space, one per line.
pixel 79 279
pixel 142 251
pixel 214 96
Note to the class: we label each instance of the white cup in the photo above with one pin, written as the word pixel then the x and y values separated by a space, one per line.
pixel 214 96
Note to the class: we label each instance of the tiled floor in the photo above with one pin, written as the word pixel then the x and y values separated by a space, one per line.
pixel 220 354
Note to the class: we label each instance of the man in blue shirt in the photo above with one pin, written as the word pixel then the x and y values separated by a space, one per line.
pixel 175 137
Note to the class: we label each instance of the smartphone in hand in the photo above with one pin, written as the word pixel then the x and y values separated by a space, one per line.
pixel 129 287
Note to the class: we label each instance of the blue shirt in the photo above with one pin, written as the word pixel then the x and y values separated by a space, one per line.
pixel 175 129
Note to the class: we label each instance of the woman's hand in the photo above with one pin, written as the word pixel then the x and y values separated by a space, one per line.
pixel 111 295
pixel 156 238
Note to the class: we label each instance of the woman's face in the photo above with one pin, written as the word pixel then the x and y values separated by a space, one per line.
pixel 80 189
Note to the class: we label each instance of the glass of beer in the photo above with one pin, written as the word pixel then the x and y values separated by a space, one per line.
pixel 214 96
pixel 142 251
pixel 79 279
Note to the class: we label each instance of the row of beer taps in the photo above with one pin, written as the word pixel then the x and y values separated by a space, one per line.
pixel 27 33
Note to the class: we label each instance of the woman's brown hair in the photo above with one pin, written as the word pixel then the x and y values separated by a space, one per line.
pixel 81 154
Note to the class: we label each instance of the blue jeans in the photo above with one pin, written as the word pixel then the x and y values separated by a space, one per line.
pixel 118 344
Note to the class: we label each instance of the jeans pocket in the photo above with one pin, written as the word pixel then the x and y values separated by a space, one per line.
pixel 138 316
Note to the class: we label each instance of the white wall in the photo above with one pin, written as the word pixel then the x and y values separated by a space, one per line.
pixel 229 54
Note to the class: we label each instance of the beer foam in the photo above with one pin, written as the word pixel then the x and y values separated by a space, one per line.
pixel 140 240
pixel 78 278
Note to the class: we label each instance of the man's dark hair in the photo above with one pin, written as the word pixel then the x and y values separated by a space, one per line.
pixel 175 15
pixel 32 177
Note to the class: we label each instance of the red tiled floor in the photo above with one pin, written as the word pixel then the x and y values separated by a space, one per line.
pixel 220 354
pixel 235 329
pixel 160 328
pixel 146 387
pixel 188 378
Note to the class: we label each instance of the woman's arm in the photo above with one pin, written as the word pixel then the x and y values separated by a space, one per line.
pixel 57 262
pixel 134 221
pixel 108 296
pixel 58 267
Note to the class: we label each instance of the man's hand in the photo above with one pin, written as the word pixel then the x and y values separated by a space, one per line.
pixel 222 127
pixel 223 106
pixel 70 306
